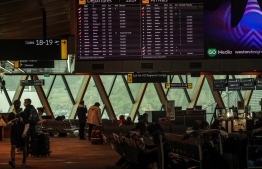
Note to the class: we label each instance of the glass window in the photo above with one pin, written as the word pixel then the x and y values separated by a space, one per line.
pixel 120 98
pixel 59 99
pixel 11 85
pixel 150 100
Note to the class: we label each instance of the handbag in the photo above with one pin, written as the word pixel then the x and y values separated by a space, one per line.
pixel 2 122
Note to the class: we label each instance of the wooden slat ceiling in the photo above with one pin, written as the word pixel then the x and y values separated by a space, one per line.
pixel 23 19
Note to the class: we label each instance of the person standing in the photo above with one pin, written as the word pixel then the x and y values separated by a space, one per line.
pixel 40 111
pixel 33 120
pixel 81 113
pixel 20 125
pixel 93 118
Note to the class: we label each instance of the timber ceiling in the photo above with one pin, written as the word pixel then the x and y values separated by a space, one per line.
pixel 37 19
pixel 25 19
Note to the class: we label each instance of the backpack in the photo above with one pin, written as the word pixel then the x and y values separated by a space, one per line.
pixel 33 117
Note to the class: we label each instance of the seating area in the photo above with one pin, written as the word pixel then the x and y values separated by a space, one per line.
pixel 67 126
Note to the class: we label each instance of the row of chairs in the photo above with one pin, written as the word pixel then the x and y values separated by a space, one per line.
pixel 190 147
pixel 129 149
pixel 57 127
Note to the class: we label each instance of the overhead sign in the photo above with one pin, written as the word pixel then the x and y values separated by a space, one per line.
pixel 147 78
pixel 233 84
pixel 33 49
pixel 179 85
pixel 39 82
pixel 219 85
pixel 259 84
pixel 248 84
pixel 35 64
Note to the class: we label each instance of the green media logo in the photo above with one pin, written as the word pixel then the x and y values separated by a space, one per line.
pixel 212 52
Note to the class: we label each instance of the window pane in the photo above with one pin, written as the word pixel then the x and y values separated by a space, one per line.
pixel 120 98
pixel 59 99
pixel 150 100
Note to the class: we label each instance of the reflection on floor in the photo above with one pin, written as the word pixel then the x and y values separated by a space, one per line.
pixel 67 153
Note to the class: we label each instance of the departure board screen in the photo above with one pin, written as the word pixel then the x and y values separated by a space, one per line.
pixel 139 29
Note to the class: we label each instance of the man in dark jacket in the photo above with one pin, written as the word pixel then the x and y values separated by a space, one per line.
pixel 32 127
pixel 81 113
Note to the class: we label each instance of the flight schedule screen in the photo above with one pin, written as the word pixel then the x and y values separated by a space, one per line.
pixel 135 29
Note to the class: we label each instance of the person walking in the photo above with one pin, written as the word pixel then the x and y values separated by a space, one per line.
pixel 20 125
pixel 93 118
pixel 81 113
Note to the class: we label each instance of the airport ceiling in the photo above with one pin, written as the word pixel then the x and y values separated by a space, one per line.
pixel 36 19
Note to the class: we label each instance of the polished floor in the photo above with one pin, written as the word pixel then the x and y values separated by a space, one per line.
pixel 67 153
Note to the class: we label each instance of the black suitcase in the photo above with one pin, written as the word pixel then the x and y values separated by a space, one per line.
pixel 96 135
pixel 43 144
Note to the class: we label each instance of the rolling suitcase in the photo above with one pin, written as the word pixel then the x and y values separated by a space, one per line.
pixel 96 135
pixel 43 144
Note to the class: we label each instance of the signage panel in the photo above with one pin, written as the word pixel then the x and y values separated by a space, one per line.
pixel 36 64
pixel 33 49
pixel 147 78
pixel 234 84
pixel 247 84
pixel 39 82
pixel 219 85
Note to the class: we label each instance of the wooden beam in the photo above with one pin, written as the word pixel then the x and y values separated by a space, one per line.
pixel 216 94
pixel 104 97
pixel 80 95
pixel 161 94
pixel 197 91
pixel 138 100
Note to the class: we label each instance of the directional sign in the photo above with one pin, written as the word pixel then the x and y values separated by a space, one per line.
pixel 33 49
pixel 36 64
pixel 40 82
pixel 147 78
pixel 179 85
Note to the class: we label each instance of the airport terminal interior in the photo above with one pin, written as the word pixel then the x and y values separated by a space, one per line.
pixel 167 58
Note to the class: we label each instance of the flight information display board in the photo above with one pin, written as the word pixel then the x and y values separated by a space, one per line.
pixel 259 84
pixel 39 82
pixel 33 49
pixel 219 85
pixel 139 29
pixel 248 84
pixel 234 84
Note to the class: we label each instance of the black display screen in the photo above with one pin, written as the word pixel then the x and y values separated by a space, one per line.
pixel 248 84
pixel 233 84
pixel 39 82
pixel 33 49
pixel 259 84
pixel 219 85
pixel 140 29
pixel 233 29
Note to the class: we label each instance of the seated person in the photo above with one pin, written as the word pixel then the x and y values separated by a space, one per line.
pixel 128 121
pixel 121 119
pixel 149 150
pixel 217 124
pixel 60 118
